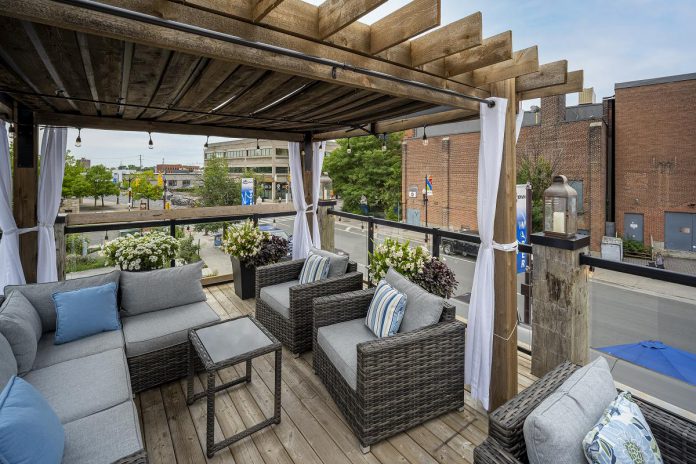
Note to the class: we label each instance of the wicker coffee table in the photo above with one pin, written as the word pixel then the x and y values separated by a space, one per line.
pixel 223 344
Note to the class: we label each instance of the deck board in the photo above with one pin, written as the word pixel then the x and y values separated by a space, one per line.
pixel 312 430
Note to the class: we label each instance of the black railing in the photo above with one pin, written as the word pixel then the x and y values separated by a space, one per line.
pixel 638 270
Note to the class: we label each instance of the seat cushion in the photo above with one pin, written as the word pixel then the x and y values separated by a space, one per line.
pixel 144 292
pixel 8 363
pixel 21 326
pixel 278 297
pixel 41 295
pixel 85 312
pixel 338 264
pixel 50 353
pixel 157 330
pixel 554 430
pixel 104 437
pixel 315 268
pixel 422 308
pixel 340 341
pixel 386 310
pixel 83 386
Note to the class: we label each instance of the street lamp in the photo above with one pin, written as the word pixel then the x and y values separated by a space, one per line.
pixel 130 194
pixel 425 204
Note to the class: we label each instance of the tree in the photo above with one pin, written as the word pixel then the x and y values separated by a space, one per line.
pixel 217 188
pixel 100 183
pixel 369 171
pixel 538 172
pixel 74 179
pixel 145 185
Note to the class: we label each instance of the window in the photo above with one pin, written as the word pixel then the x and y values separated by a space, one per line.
pixel 262 169
pixel 281 152
pixel 235 170
pixel 577 185
pixel 171 183
pixel 281 169
pixel 185 183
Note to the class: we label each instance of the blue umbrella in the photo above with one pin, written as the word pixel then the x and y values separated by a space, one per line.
pixel 658 357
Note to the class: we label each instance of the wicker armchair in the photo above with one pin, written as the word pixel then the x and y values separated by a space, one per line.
pixel 295 332
pixel 402 380
pixel 675 436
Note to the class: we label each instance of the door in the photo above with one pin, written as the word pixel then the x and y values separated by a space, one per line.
pixel 633 227
pixel 679 231
pixel 413 216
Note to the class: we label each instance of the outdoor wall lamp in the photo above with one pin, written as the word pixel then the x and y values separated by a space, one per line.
pixel 560 209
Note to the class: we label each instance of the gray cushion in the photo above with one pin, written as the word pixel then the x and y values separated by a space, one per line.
pixel 41 295
pixel 21 326
pixel 8 363
pixel 340 343
pixel 338 264
pixel 553 432
pixel 157 330
pixel 81 387
pixel 144 292
pixel 49 354
pixel 104 437
pixel 422 308
pixel 278 297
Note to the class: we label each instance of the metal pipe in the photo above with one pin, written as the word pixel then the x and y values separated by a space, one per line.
pixel 129 14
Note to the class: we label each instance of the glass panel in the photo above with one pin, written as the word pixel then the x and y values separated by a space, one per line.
pixel 280 226
pixel 350 237
pixel 83 253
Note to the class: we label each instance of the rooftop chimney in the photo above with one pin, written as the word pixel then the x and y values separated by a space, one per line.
pixel 587 96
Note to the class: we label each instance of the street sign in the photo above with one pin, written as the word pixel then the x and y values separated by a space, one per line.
pixel 247 191
pixel 522 226
pixel 413 191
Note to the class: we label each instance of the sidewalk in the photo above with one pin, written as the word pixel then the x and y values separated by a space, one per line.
pixel 644 284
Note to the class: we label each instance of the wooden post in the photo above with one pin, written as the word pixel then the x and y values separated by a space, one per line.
pixel 326 227
pixel 25 186
pixel 307 175
pixel 59 232
pixel 504 368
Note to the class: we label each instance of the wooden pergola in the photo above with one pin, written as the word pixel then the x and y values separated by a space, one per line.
pixel 275 69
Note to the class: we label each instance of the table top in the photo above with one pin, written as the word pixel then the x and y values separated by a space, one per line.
pixel 234 339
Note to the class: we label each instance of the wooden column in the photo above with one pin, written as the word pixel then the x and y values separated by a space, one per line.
pixel 327 223
pixel 307 174
pixel 59 232
pixel 504 368
pixel 25 183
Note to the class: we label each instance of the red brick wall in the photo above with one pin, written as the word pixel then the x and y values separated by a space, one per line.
pixel 655 153
pixel 575 148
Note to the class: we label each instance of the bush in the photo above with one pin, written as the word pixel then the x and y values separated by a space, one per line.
pixel 634 246
pixel 437 278
pixel 153 250
pixel 73 243
pixel 253 247
pixel 188 251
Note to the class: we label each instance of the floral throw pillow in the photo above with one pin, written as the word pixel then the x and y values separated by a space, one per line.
pixel 622 436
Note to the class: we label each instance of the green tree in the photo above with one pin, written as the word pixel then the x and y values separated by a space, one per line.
pixel 217 188
pixel 100 183
pixel 538 172
pixel 367 170
pixel 145 185
pixel 75 179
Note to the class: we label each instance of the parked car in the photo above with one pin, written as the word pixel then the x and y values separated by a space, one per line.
pixel 459 247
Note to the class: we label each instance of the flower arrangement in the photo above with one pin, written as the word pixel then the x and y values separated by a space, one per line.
pixel 252 246
pixel 141 252
pixel 414 263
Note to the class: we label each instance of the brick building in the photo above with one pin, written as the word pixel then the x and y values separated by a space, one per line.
pixel 571 139
pixel 655 161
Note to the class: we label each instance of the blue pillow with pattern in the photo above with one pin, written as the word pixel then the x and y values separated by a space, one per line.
pixel 622 436
pixel 386 310
pixel 315 268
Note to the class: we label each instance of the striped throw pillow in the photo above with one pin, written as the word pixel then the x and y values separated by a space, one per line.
pixel 386 310
pixel 315 268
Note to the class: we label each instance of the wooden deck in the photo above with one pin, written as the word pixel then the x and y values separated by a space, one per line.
pixel 312 429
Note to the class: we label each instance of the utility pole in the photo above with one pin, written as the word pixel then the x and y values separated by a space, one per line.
pixel 141 162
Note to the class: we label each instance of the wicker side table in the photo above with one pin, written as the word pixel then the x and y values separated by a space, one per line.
pixel 223 344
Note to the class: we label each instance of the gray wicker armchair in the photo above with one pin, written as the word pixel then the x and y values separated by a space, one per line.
pixel 295 331
pixel 675 436
pixel 402 380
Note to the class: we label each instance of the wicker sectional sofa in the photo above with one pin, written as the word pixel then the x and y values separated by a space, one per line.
pixel 90 382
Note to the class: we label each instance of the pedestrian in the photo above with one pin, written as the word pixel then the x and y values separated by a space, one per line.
pixel 660 261
pixel 363 205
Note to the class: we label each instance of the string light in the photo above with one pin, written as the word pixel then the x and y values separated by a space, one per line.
pixel 206 141
pixel 384 142
pixel 12 129
pixel 349 150
pixel 150 144
pixel 257 144
pixel 425 138
pixel 78 140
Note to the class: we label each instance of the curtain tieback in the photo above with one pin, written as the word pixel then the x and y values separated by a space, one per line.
pixel 509 336
pixel 506 247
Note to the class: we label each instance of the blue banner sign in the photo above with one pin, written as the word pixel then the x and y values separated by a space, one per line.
pixel 522 226
pixel 247 191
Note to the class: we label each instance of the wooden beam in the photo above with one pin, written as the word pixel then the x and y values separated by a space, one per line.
pixel 574 83
pixel 549 74
pixel 260 8
pixel 504 366
pixel 523 62
pixel 447 40
pixel 91 22
pixel 334 15
pixel 415 18
pixel 493 50
pixel 140 125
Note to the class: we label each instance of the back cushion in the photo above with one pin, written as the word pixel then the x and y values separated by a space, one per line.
pixel 338 264
pixel 8 363
pixel 144 292
pixel 422 308
pixel 554 431
pixel 21 326
pixel 41 295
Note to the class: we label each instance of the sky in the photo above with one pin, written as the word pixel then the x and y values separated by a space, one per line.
pixel 612 40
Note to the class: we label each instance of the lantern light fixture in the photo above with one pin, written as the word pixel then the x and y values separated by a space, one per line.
pixel 560 209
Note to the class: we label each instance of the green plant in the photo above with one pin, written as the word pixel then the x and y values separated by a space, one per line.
pixel 146 185
pixel 152 250
pixel 634 246
pixel 217 188
pixel 74 179
pixel 189 252
pixel 252 246
pixel 78 263
pixel 437 278
pixel 100 183
pixel 538 172
pixel 74 243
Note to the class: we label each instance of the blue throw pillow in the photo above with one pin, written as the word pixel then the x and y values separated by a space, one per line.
pixel 84 312
pixel 30 431
pixel 386 310
pixel 315 268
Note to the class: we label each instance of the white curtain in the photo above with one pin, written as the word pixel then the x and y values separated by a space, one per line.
pixel 518 122
pixel 301 241
pixel 11 272
pixel 479 332
pixel 317 164
pixel 53 144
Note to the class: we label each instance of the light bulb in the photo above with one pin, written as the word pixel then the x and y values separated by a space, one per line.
pixel 348 150
pixel 384 142
pixel 78 140
pixel 425 138
pixel 150 144
pixel 257 144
